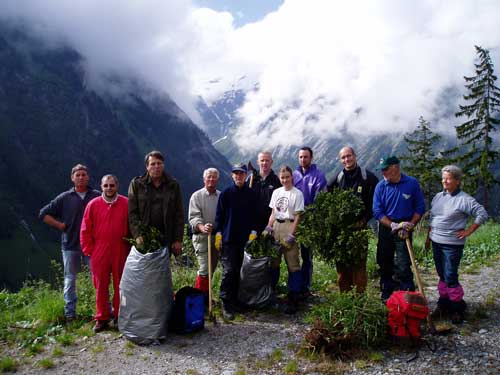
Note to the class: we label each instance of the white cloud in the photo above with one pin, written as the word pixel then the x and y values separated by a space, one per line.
pixel 322 65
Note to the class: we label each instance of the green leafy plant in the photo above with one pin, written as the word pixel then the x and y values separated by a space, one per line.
pixel 151 238
pixel 262 246
pixel 330 227
pixel 346 321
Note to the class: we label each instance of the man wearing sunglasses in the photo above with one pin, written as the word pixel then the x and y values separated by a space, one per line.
pixel 398 205
pixel 104 227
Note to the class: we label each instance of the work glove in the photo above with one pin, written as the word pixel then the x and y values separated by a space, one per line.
pixel 290 239
pixel 218 240
pixel 395 227
pixel 252 236
pixel 407 226
pixel 403 234
pixel 139 242
pixel 269 230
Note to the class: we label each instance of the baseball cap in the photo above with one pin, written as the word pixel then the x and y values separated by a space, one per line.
pixel 241 167
pixel 386 161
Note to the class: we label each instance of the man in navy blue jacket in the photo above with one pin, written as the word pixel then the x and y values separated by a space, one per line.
pixel 398 205
pixel 65 213
pixel 235 222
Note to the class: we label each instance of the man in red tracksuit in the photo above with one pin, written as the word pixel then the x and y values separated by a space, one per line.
pixel 104 227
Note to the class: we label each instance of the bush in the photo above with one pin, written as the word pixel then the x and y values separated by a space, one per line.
pixel 330 227
pixel 347 320
pixel 85 292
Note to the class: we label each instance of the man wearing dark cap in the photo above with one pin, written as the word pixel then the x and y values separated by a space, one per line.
pixel 235 222
pixel 398 205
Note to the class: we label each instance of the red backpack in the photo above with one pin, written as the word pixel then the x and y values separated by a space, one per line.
pixel 406 312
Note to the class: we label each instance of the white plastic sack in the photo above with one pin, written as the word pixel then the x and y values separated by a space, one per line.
pixel 146 296
pixel 255 281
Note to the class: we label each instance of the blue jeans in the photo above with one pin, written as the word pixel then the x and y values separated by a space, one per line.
pixel 72 262
pixel 447 259
pixel 307 268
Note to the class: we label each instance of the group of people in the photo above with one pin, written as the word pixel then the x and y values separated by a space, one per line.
pixel 95 226
pixel 259 202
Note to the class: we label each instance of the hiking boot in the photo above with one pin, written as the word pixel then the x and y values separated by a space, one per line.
pixel 304 296
pixel 100 325
pixel 240 307
pixel 457 317
pixel 69 319
pixel 442 308
pixel 457 310
pixel 227 313
pixel 291 306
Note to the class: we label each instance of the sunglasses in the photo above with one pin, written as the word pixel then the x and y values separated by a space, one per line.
pixel 108 185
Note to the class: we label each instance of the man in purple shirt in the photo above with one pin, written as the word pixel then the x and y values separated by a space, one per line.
pixel 310 181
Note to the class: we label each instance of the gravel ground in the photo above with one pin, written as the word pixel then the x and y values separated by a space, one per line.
pixel 264 343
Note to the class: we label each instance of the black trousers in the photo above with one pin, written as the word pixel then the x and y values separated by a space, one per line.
pixel 394 261
pixel 231 260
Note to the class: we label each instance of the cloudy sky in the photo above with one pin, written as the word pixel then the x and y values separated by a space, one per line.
pixel 322 65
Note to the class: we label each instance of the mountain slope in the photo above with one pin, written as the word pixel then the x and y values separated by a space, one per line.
pixel 50 120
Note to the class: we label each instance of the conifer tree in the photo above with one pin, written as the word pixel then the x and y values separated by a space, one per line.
pixel 483 117
pixel 421 161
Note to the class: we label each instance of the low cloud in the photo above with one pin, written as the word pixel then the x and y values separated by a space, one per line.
pixel 322 66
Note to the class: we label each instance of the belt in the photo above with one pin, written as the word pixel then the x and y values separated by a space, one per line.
pixel 282 221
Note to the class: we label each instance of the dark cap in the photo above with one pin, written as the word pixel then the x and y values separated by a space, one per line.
pixel 386 161
pixel 240 167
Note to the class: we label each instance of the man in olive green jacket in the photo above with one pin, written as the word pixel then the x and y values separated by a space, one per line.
pixel 155 200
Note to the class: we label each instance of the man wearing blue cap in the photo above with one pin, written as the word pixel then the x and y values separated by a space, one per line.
pixel 398 204
pixel 235 221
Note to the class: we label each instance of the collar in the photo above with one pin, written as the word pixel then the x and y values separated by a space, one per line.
pixel 73 190
pixel 402 179
pixel 147 179
pixel 206 192
pixel 311 168
pixel 352 172
pixel 109 202
pixel 452 194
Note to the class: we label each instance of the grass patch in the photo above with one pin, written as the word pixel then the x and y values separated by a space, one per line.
pixel 8 364
pixel 277 355
pixel 34 349
pixel 46 363
pixel 65 339
pixel 375 357
pixel 98 348
pixel 291 367
pixel 480 249
pixel 57 352
pixel 240 371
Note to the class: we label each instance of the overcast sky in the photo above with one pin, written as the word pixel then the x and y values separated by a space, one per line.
pixel 322 65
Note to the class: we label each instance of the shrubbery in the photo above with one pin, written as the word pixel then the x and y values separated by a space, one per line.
pixel 330 227
pixel 346 321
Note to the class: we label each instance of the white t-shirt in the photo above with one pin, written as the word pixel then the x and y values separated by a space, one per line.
pixel 286 203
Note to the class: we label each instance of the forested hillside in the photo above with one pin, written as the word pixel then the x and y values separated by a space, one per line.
pixel 50 120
